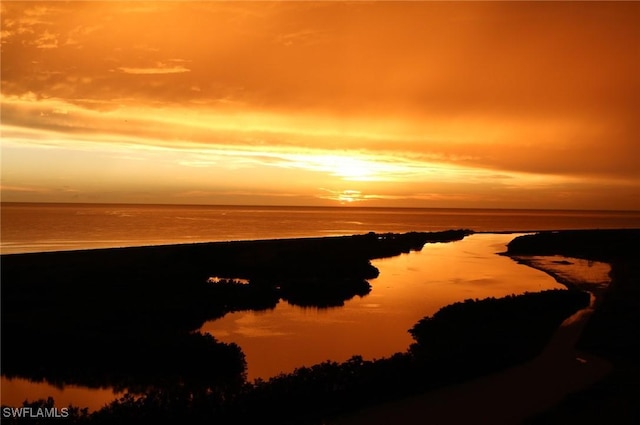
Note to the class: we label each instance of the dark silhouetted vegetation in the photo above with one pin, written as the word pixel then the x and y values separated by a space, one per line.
pixel 503 331
pixel 451 346
pixel 127 317
pixel 323 293
pixel 598 245
pixel 613 331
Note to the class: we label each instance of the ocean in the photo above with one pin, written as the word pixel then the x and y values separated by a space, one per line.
pixel 35 227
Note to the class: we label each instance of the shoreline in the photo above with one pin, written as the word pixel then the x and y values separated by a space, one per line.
pixel 203 244
pixel 435 236
pixel 560 270
pixel 146 269
pixel 583 373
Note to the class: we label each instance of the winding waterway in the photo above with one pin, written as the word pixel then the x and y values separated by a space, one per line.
pixel 410 286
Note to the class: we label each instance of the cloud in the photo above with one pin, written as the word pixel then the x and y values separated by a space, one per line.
pixel 500 95
pixel 31 21
pixel 344 196
pixel 77 35
pixel 358 151
pixel 307 38
pixel 47 41
pixel 159 68
pixel 28 189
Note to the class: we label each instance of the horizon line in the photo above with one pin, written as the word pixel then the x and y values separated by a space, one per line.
pixel 344 206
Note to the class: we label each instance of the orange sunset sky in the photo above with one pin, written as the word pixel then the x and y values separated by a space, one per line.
pixel 424 104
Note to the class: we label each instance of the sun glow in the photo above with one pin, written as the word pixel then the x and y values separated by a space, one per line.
pixel 349 196
pixel 143 103
pixel 350 166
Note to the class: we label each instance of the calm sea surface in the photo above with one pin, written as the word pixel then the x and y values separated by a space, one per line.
pixel 53 227
pixel 410 286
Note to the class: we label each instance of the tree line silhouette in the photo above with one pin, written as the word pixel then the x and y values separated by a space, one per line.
pixel 459 342
pixel 128 317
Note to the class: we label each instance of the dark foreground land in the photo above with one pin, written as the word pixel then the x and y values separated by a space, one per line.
pixel 613 331
pixel 586 374
pixel 126 318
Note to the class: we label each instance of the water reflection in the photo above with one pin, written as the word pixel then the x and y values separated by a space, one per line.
pixel 17 390
pixel 409 287
pixel 592 276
